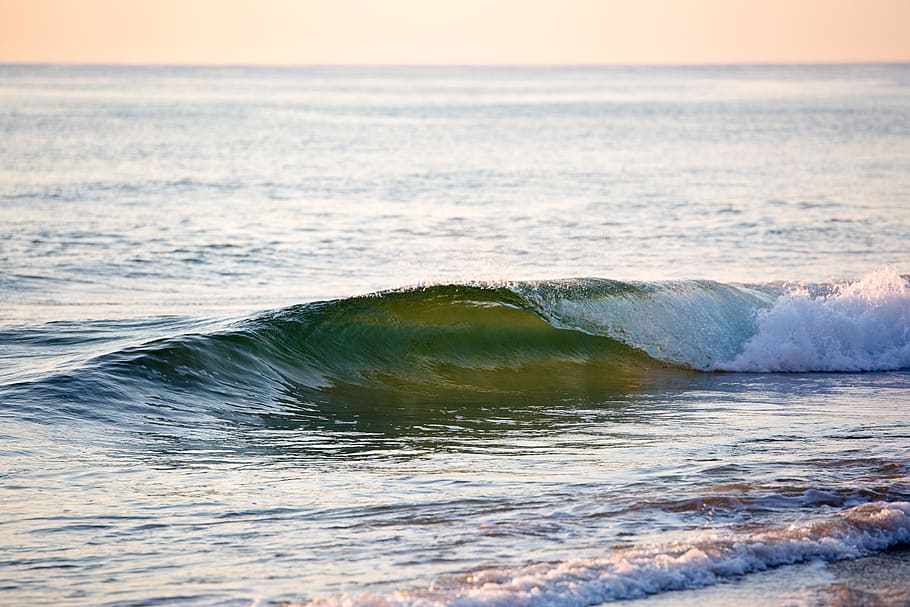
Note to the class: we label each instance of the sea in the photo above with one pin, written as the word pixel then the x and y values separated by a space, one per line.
pixel 454 336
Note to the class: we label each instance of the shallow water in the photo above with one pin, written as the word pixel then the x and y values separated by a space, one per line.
pixel 311 335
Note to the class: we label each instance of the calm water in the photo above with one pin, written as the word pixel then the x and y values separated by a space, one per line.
pixel 401 336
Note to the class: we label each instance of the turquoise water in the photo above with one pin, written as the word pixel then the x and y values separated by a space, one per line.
pixel 450 336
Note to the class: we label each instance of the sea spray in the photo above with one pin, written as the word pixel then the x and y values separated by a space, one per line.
pixel 856 326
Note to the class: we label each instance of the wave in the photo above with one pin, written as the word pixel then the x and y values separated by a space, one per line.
pixel 444 339
pixel 638 571
pixel 486 342
pixel 519 337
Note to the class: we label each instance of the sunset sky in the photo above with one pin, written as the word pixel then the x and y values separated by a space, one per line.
pixel 453 31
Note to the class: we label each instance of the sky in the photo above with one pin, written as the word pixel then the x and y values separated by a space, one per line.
pixel 467 32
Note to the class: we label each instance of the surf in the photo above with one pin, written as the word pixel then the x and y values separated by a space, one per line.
pixel 495 343
pixel 631 572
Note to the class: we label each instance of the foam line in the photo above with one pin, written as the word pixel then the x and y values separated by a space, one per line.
pixel 640 571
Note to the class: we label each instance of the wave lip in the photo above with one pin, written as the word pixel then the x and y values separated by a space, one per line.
pixel 857 326
pixel 641 571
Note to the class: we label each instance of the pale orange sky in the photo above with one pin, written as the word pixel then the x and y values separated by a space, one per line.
pixel 454 31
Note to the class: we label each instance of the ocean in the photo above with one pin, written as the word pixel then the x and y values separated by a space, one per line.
pixel 411 336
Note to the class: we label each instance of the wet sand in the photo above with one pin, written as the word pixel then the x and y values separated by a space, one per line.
pixel 880 580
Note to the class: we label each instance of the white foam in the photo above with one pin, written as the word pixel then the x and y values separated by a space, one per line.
pixel 858 326
pixel 640 571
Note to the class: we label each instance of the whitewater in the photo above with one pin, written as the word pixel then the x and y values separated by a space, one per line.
pixel 382 337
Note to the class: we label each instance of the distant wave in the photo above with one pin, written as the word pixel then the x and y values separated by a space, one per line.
pixel 634 572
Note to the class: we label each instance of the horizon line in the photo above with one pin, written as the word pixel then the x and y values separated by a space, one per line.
pixel 64 63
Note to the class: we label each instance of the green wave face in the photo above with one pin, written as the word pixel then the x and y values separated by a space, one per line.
pixel 450 342
pixel 421 349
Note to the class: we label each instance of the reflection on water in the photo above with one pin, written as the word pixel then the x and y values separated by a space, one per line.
pixel 304 504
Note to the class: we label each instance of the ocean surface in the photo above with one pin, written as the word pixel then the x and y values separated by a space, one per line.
pixel 454 336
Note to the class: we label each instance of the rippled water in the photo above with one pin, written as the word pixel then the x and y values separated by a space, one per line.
pixel 316 335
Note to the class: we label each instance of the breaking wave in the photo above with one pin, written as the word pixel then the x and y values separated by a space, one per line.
pixel 634 572
pixel 458 343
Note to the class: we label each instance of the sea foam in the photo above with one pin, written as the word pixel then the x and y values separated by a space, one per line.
pixel 857 326
pixel 643 570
